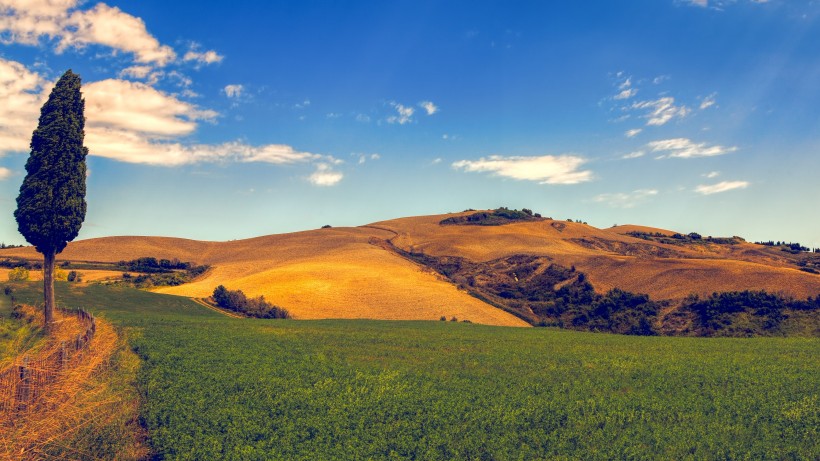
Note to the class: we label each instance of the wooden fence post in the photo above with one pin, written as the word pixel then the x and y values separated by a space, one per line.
pixel 24 389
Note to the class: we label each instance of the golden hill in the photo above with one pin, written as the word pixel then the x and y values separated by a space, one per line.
pixel 353 272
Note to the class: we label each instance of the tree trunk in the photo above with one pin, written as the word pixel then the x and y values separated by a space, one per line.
pixel 48 289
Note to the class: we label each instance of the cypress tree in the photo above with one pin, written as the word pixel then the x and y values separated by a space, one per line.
pixel 51 205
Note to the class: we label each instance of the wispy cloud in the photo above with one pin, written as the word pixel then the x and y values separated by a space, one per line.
pixel 711 174
pixel 428 107
pixel 403 115
pixel 626 94
pixel 625 199
pixel 708 101
pixel 633 132
pixel 636 154
pixel 721 187
pixel 685 148
pixel 660 111
pixel 5 173
pixel 545 169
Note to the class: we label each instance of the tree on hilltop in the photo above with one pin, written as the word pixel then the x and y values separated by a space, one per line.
pixel 51 205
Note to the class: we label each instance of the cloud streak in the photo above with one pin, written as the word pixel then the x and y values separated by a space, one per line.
pixel 685 148
pixel 625 199
pixel 545 169
pixel 662 110
pixel 723 186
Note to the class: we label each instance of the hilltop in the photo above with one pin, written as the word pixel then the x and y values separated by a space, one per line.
pixel 394 269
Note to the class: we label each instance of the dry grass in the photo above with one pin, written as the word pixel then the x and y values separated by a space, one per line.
pixel 86 275
pixel 84 413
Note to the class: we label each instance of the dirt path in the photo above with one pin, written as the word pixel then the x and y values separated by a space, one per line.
pixel 206 305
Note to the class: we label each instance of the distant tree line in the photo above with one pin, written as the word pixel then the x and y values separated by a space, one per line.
pixel 497 217
pixel 13 263
pixel 677 238
pixel 791 247
pixel 235 300
pixel 159 272
pixel 4 246
pixel 150 265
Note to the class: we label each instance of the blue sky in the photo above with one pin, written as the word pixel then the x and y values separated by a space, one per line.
pixel 218 120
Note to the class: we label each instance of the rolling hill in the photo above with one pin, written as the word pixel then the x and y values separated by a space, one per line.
pixel 364 272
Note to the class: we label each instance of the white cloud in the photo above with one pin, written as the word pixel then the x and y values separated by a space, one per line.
pixel 625 199
pixel 708 101
pixel 711 174
pixel 22 93
pixel 626 83
pixel 633 132
pixel 233 91
pixel 436 161
pixel 685 148
pixel 110 26
pixel 131 147
pixel 546 169
pixel 325 176
pixel 721 187
pixel 404 114
pixel 5 173
pixel 700 3
pixel 65 24
pixel 25 21
pixel 626 94
pixel 661 110
pixel 429 107
pixel 134 106
pixel 202 57
pixel 375 156
pixel 636 154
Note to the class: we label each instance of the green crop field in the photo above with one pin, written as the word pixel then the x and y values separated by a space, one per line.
pixel 221 388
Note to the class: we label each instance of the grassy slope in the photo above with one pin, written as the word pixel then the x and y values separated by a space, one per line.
pixel 220 388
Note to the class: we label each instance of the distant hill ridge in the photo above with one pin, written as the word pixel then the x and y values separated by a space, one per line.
pixel 347 273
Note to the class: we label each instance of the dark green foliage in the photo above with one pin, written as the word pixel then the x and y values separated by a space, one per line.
pixel 235 300
pixel 496 217
pixel 525 286
pixel 3 246
pixel 162 272
pixel 14 263
pixel 51 205
pixel 149 265
pixel 327 226
pixel 73 276
pixel 744 313
pixel 680 239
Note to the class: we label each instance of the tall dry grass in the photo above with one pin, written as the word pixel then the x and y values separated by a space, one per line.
pixel 88 412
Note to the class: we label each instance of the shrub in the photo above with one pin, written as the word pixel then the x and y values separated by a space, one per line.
pixel 74 276
pixel 60 275
pixel 443 318
pixel 18 274
pixel 235 300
